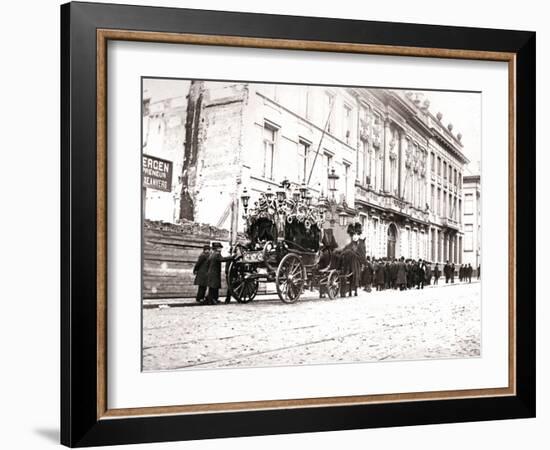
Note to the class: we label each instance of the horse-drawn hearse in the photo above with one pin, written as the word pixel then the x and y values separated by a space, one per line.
pixel 284 247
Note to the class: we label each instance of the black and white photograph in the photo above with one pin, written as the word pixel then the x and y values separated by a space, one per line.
pixel 292 224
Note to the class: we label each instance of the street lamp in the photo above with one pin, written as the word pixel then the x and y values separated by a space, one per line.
pixel 303 190
pixel 244 198
pixel 332 178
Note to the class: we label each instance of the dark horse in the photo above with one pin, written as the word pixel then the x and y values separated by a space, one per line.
pixel 351 261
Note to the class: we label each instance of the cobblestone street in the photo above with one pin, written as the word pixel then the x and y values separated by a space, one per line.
pixel 437 322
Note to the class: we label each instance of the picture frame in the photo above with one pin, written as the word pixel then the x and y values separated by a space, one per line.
pixel 86 28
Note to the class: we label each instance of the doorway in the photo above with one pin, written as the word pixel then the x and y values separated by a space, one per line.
pixel 392 240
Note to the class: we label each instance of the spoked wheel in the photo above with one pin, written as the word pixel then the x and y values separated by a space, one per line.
pixel 241 286
pixel 333 284
pixel 290 278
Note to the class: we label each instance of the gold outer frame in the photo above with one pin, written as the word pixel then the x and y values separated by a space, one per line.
pixel 104 35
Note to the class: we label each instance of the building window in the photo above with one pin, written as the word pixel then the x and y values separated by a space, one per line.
pixel 468 238
pixel 346 180
pixel 270 138
pixel 438 166
pixel 468 204
pixel 366 158
pixel 444 204
pixel 460 210
pixel 432 204
pixel 329 98
pixel 303 153
pixel 328 164
pixel 438 204
pixel 444 170
pixel 348 124
pixel 433 162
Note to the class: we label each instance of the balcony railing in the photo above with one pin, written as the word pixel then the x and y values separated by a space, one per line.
pixel 390 203
pixel 450 223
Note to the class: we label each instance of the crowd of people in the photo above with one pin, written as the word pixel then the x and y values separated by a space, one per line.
pixel 356 268
pixel 362 271
pixel 393 273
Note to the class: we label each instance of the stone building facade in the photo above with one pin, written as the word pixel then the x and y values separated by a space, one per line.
pixel 400 169
pixel 472 220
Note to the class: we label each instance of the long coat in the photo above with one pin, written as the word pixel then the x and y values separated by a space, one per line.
pixel 201 270
pixel 401 274
pixel 380 273
pixel 367 273
pixel 215 270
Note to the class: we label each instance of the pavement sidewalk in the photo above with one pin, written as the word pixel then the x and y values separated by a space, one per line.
pixel 272 297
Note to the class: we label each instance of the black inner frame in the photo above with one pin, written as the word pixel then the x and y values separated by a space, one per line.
pixel 79 424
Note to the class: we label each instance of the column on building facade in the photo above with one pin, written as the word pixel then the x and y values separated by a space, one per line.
pixel 402 157
pixel 387 171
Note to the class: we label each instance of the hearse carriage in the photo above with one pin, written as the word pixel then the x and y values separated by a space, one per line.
pixel 284 235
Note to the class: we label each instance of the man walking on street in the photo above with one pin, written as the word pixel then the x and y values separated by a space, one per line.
pixel 447 272
pixel 200 270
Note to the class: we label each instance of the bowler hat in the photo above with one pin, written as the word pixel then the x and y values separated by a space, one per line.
pixel 217 245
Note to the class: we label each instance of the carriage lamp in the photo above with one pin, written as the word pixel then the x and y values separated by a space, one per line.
pixel 309 198
pixel 268 193
pixel 303 190
pixel 332 178
pixel 343 219
pixel 281 195
pixel 244 198
pixel 296 195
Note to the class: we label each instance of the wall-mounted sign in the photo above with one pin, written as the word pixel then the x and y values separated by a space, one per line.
pixel 157 173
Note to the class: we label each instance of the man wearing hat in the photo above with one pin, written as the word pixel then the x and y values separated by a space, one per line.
pixel 201 273
pixel 215 273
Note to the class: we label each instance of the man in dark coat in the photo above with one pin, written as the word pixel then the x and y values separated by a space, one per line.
pixel 479 272
pixel 368 274
pixel 379 275
pixel 393 273
pixel 469 271
pixel 428 273
pixel 401 280
pixel 447 272
pixel 437 273
pixel 354 257
pixel 387 274
pixel 200 270
pixel 215 273
pixel 420 274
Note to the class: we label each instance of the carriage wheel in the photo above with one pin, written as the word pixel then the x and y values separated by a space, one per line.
pixel 333 284
pixel 290 278
pixel 242 289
